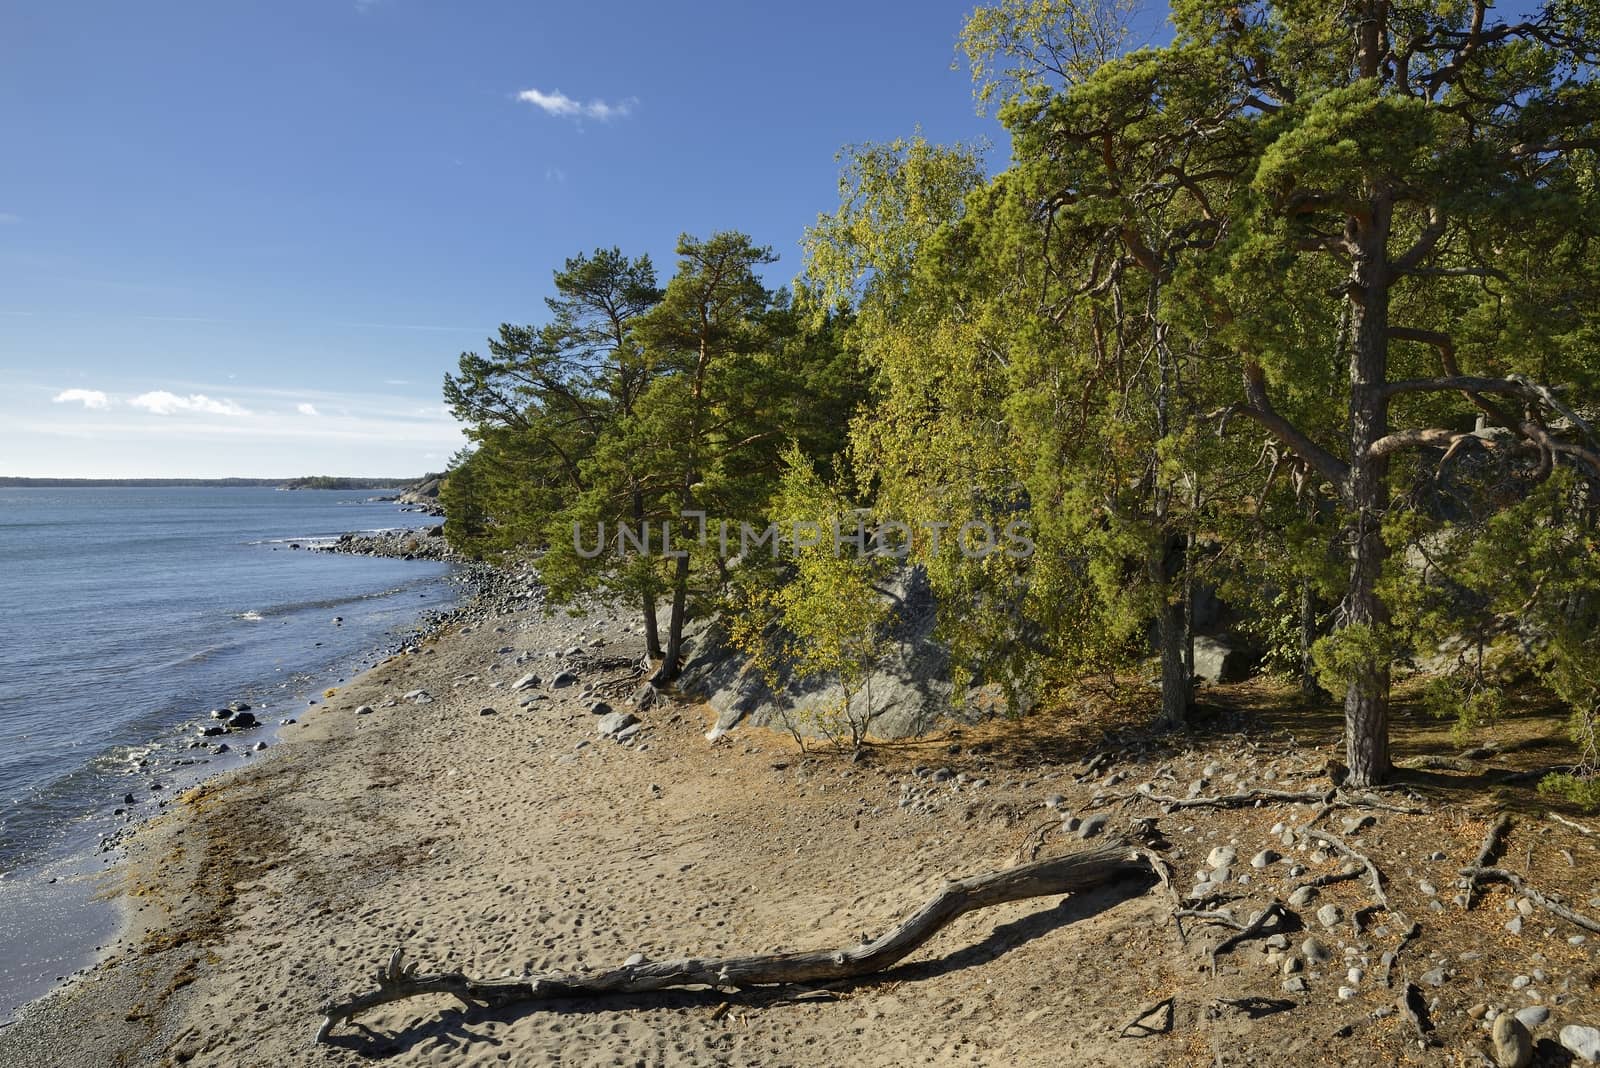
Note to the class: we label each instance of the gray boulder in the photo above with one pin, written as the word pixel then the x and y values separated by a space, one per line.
pixel 1513 1046
pixel 910 688
pixel 1582 1042
pixel 1221 658
pixel 614 723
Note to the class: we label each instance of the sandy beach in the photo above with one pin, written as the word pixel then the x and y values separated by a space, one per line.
pixel 495 831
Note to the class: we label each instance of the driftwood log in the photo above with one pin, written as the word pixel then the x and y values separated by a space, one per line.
pixel 1072 873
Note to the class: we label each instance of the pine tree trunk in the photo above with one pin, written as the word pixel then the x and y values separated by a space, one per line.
pixel 1172 635
pixel 680 599
pixel 1174 671
pixel 1169 571
pixel 1308 638
pixel 1366 704
pixel 652 632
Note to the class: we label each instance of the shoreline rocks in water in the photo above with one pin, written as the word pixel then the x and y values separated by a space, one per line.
pixel 427 543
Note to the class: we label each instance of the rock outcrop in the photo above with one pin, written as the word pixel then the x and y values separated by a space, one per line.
pixel 909 692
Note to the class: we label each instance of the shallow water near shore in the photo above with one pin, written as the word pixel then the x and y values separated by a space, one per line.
pixel 128 614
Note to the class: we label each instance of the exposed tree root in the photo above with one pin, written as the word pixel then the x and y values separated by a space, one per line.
pixel 1329 799
pixel 1589 832
pixel 1139 1028
pixel 1414 1007
pixel 1434 762
pixel 1511 778
pixel 1344 874
pixel 1486 852
pixel 1072 873
pixel 1394 955
pixel 1555 908
pixel 1374 876
pixel 1250 930
pixel 1240 800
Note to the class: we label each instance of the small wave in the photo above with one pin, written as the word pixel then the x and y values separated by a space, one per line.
pixel 316 541
pixel 322 603
pixel 311 541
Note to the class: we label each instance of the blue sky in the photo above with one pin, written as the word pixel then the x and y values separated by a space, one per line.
pixel 249 238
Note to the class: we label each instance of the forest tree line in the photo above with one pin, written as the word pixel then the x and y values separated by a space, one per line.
pixel 1301 307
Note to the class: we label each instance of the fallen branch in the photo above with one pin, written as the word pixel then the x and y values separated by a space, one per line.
pixel 1072 873
pixel 1555 908
pixel 1486 851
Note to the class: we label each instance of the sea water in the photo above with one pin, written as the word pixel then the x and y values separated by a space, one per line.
pixel 126 615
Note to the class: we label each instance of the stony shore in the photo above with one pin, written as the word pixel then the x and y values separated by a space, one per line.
pixel 470 800
pixel 425 544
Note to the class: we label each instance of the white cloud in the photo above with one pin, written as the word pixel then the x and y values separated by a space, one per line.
pixel 307 409
pixel 365 431
pixel 160 402
pixel 89 398
pixel 7 219
pixel 563 106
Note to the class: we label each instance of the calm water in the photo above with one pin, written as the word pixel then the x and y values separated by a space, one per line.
pixel 125 616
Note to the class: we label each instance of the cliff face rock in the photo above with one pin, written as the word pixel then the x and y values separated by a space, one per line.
pixel 909 692
pixel 423 496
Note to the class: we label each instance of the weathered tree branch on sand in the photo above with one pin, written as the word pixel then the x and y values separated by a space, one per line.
pixel 1072 873
pixel 1486 852
pixel 1555 908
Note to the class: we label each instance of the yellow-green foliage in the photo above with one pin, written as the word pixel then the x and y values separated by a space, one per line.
pixel 829 605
